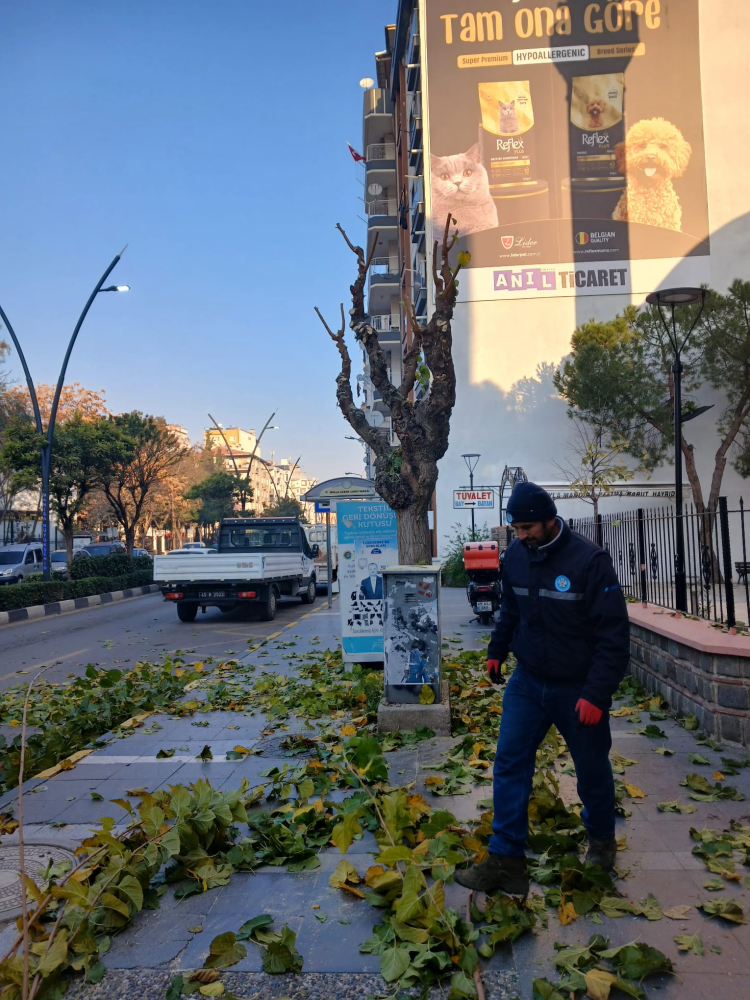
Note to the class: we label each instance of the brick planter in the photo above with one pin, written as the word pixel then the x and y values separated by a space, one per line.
pixel 695 668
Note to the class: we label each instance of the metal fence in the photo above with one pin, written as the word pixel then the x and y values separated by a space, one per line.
pixel 641 544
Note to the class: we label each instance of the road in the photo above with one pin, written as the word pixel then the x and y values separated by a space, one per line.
pixel 116 635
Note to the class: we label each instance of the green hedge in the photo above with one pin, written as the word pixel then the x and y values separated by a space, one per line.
pixel 118 564
pixel 26 595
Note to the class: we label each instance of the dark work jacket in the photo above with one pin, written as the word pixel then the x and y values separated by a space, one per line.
pixel 564 616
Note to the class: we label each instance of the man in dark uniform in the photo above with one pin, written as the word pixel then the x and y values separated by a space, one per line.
pixel 564 617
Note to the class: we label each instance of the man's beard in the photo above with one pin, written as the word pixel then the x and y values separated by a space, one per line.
pixel 549 534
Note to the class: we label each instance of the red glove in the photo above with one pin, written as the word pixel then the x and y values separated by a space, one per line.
pixel 588 714
pixel 493 671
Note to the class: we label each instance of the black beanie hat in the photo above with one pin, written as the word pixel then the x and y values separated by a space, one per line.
pixel 529 502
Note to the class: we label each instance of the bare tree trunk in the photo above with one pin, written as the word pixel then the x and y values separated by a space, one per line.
pixel 413 537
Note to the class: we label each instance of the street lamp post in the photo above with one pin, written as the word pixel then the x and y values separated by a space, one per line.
pixel 46 446
pixel 673 297
pixel 471 464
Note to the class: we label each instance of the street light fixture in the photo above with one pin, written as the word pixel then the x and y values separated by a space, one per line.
pixel 46 446
pixel 471 460
pixel 673 297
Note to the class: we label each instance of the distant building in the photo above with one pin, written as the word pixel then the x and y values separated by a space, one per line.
pixel 235 437
pixel 180 433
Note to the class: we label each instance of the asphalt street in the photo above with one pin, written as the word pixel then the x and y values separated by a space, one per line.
pixel 115 635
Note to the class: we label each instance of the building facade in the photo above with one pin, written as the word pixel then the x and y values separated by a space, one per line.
pixel 538 109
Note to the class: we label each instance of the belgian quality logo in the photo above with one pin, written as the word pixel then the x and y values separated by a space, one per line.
pixel 582 238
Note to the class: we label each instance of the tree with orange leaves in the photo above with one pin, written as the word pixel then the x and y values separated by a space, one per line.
pixel 89 403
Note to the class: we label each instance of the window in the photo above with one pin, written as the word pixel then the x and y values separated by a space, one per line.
pixel 29 559
pixel 264 538
pixel 38 556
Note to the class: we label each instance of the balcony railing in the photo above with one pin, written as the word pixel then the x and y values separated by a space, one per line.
pixel 385 266
pixel 384 323
pixel 382 206
pixel 381 151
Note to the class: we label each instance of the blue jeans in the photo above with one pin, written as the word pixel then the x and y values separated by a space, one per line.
pixel 530 707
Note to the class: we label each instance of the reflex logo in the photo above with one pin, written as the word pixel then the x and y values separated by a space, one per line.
pixel 582 238
pixel 525 278
pixel 507 241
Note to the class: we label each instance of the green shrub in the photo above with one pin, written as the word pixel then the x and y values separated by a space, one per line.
pixel 453 573
pixel 117 564
pixel 28 594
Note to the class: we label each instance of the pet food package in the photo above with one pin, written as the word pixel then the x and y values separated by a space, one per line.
pixel 596 124
pixel 507 132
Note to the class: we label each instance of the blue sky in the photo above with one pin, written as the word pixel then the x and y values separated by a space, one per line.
pixel 210 137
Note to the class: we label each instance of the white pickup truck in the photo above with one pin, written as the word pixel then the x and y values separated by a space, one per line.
pixel 258 560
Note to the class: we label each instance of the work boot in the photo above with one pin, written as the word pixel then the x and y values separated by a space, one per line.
pixel 602 853
pixel 496 873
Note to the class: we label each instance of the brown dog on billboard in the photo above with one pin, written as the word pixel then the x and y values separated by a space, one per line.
pixel 653 153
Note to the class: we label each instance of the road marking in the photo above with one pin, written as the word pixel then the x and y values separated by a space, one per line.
pixel 290 625
pixel 305 616
pixel 274 636
pixel 51 663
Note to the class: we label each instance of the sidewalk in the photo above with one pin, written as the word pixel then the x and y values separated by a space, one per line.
pixel 161 943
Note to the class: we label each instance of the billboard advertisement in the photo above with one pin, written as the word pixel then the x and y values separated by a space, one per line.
pixel 367 543
pixel 566 139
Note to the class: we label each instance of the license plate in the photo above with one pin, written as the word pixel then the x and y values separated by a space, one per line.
pixel 212 593
pixel 484 605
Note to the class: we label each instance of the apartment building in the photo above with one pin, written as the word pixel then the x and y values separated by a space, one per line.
pixel 566 236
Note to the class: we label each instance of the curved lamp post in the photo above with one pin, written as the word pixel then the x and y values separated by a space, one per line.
pixel 46 446
pixel 471 463
pixel 673 297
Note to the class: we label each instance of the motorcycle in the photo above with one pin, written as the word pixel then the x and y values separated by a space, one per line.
pixel 484 590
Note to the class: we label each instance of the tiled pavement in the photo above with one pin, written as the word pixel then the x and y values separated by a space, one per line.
pixel 658 857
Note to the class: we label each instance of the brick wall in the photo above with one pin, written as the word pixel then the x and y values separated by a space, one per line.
pixel 714 686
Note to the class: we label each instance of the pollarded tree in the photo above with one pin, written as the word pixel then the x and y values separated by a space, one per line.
pixel 150 452
pixel 406 475
pixel 594 462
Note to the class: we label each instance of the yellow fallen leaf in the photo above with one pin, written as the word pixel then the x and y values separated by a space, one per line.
pixel 718 776
pixel 315 906
pixel 434 780
pixel 348 730
pixel 179 672
pixel 14 723
pixel 566 912
pixel 197 667
pixel 352 889
pixel 634 792
pixel 622 842
pixel 339 748
pixel 598 984
pixel 241 749
pixel 620 713
pixel 66 765
pixel 372 873
pixel 677 912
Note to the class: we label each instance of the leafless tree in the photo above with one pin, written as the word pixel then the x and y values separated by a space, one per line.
pixel 406 475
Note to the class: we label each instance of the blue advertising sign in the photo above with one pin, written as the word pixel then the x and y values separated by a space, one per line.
pixel 367 543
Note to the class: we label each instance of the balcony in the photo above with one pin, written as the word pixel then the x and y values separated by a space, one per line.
pixel 415 142
pixel 420 289
pixel 380 151
pixel 381 206
pixel 378 115
pixel 384 269
pixel 387 328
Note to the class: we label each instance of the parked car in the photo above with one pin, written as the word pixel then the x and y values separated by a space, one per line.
pixel 19 561
pixel 194 545
pixel 141 553
pixel 59 561
pixel 99 549
pixel 184 551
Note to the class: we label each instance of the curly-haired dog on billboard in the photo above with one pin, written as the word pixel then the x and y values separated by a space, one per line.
pixel 653 153
pixel 460 187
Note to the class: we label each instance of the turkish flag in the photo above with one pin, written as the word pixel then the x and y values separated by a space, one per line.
pixel 357 157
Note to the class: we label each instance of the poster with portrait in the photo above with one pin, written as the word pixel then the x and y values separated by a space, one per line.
pixel 367 543
pixel 567 141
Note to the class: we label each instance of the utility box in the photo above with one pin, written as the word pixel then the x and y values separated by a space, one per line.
pixel 411 633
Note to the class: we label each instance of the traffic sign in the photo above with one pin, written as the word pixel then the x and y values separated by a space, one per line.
pixel 473 499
